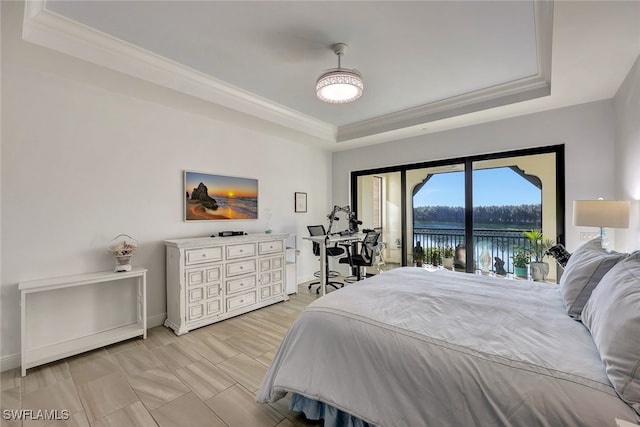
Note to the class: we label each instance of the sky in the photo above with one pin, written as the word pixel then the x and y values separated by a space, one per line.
pixel 222 186
pixel 492 187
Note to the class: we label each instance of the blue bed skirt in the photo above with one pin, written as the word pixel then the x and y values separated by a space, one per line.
pixel 316 410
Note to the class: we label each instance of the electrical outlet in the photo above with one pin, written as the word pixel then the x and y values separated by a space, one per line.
pixel 586 236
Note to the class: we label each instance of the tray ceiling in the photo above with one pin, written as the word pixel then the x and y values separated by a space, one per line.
pixel 424 62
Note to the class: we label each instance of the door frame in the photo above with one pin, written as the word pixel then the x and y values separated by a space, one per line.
pixel 468 161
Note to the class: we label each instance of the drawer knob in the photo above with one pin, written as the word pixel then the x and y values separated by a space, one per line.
pixel 241 250
pixel 204 255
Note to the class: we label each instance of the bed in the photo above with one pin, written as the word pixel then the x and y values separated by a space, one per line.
pixel 411 347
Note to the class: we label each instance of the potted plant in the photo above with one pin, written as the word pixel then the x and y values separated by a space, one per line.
pixel 433 255
pixel 520 260
pixel 447 257
pixel 418 254
pixel 538 245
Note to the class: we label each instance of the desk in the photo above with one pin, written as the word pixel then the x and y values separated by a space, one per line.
pixel 323 242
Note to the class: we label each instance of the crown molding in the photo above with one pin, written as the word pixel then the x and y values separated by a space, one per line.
pixel 532 87
pixel 53 31
pixel 496 96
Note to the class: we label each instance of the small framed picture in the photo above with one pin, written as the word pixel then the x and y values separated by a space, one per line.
pixel 300 202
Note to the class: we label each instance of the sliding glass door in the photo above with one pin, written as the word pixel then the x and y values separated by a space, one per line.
pixel 474 210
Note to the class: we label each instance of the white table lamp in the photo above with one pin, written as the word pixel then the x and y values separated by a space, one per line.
pixel 601 213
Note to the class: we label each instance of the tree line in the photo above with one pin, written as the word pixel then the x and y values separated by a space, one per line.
pixel 517 216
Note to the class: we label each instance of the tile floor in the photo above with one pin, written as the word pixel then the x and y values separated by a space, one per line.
pixel 207 377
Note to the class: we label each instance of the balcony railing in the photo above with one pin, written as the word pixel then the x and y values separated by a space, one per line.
pixel 493 243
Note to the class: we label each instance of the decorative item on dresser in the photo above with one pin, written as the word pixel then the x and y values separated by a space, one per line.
pixel 212 279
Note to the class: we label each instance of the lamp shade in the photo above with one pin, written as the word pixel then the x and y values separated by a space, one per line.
pixel 601 213
pixel 339 85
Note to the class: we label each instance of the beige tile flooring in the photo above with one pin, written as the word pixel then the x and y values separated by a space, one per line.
pixel 207 377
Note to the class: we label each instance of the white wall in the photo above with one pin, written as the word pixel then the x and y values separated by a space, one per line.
pixel 88 154
pixel 627 131
pixel 586 130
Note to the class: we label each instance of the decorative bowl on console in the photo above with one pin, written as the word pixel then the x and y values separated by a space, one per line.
pixel 122 247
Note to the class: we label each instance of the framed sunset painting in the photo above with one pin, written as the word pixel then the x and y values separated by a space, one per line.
pixel 217 197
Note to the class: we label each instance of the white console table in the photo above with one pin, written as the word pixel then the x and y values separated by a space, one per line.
pixel 34 353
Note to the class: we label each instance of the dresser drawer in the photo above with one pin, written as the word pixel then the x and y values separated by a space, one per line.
pixel 270 277
pixel 195 312
pixel 198 256
pixel 214 307
pixel 240 301
pixel 265 292
pixel 198 276
pixel 276 262
pixel 270 247
pixel 195 295
pixel 267 264
pixel 276 276
pixel 241 267
pixel 241 284
pixel 213 291
pixel 265 279
pixel 241 251
pixel 277 289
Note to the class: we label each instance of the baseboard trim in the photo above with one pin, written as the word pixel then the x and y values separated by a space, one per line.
pixel 12 361
pixel 156 320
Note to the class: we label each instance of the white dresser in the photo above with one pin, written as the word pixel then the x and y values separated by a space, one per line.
pixel 213 278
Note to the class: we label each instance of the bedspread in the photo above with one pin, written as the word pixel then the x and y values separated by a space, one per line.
pixel 411 348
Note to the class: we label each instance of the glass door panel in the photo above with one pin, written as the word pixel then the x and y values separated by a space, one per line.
pixel 510 196
pixel 435 215
pixel 379 207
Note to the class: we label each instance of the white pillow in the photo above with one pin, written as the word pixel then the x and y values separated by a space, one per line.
pixel 612 315
pixel 586 266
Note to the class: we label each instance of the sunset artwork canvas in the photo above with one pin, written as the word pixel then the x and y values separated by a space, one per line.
pixel 217 197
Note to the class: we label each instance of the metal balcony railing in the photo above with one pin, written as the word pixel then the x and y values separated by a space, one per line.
pixel 493 243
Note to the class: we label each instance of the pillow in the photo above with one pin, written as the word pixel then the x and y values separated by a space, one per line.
pixel 612 315
pixel 559 253
pixel 587 265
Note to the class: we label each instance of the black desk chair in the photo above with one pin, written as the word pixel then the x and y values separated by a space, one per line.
pixel 333 251
pixel 367 255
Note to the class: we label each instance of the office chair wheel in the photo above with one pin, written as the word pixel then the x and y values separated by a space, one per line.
pixel 333 284
pixel 313 284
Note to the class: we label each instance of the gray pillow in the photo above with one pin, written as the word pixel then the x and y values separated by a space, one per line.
pixel 612 315
pixel 586 266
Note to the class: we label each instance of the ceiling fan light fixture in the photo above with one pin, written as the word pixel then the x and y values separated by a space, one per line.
pixel 339 85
